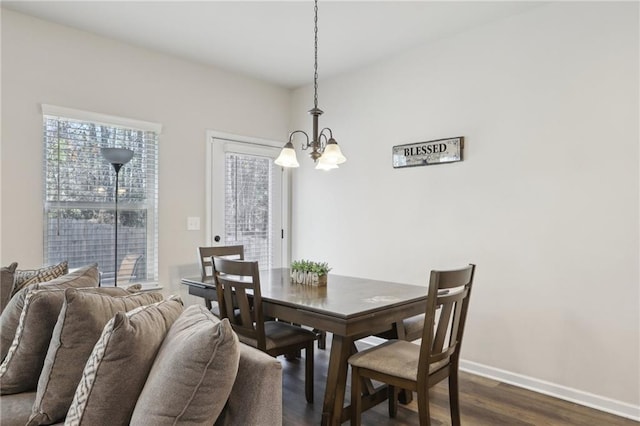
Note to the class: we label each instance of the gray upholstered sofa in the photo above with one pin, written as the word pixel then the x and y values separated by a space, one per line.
pixel 153 362
pixel 255 399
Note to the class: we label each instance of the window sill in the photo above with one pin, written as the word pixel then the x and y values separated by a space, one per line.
pixel 151 287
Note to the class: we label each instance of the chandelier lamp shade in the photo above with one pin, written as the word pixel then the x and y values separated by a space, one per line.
pixel 324 148
pixel 117 157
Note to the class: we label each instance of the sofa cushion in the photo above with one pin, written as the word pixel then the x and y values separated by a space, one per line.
pixel 193 373
pixel 118 366
pixel 24 278
pixel 6 284
pixel 79 326
pixel 86 276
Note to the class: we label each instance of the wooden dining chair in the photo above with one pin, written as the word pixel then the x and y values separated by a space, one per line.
pixel 409 329
pixel 238 288
pixel 205 255
pixel 404 365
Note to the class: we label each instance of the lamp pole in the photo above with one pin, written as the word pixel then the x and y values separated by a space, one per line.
pixel 118 157
pixel 117 168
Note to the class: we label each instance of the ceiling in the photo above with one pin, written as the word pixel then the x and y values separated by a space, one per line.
pixel 273 40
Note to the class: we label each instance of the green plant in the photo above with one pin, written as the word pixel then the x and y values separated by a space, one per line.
pixel 320 268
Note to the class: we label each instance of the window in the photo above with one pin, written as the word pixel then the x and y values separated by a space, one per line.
pixel 247 197
pixel 79 193
pixel 248 205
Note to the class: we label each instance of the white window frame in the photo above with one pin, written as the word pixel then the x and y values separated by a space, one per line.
pixel 152 211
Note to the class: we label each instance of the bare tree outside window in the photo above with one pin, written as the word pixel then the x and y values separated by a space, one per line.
pixel 248 198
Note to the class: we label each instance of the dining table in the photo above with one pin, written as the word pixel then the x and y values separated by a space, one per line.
pixel 350 308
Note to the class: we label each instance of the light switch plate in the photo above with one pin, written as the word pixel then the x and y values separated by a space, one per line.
pixel 193 223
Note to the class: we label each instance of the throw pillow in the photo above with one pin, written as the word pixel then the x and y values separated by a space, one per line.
pixel 126 349
pixel 193 374
pixel 21 367
pixel 24 278
pixel 86 276
pixel 6 284
pixel 79 326
pixel 134 288
pixel 9 321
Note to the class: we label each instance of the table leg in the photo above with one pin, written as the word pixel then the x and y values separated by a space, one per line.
pixel 336 380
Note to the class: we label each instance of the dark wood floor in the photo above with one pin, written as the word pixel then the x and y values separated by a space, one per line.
pixel 483 402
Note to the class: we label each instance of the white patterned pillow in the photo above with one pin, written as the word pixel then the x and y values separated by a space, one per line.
pixel 23 278
pixel 126 349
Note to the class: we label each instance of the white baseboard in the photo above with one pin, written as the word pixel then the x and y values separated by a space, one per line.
pixel 587 399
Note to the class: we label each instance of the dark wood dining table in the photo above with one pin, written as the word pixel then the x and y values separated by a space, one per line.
pixel 349 307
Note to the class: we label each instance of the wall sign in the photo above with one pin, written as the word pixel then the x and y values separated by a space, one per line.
pixel 427 153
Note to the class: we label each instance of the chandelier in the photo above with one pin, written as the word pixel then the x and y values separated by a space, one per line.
pixel 324 148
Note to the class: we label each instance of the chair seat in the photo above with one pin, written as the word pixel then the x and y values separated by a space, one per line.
pixel 397 358
pixel 279 334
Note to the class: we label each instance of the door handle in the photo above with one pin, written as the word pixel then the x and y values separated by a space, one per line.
pixel 216 238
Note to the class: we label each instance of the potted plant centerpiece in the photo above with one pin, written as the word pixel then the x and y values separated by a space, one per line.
pixel 309 272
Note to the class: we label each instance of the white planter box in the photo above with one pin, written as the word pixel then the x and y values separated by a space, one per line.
pixel 308 278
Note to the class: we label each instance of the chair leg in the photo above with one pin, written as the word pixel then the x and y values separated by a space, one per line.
pixel 308 372
pixel 405 396
pixel 322 338
pixel 291 356
pixel 356 398
pixel 454 401
pixel 393 400
pixel 423 407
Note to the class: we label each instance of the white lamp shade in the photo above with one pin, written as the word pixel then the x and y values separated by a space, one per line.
pixel 332 153
pixel 117 155
pixel 287 157
pixel 325 165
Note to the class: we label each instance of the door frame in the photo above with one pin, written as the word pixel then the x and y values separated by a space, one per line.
pixel 212 135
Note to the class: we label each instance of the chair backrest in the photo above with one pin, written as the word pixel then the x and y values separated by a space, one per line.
pixel 236 282
pixel 206 253
pixel 128 267
pixel 447 305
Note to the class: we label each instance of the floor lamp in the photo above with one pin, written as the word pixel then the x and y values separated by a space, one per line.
pixel 118 157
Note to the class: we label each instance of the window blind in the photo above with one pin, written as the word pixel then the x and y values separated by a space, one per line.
pixel 248 187
pixel 79 195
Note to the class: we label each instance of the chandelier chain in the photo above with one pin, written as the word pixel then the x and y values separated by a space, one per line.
pixel 315 64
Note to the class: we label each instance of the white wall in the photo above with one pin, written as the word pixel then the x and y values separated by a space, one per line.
pixel 48 63
pixel 545 201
